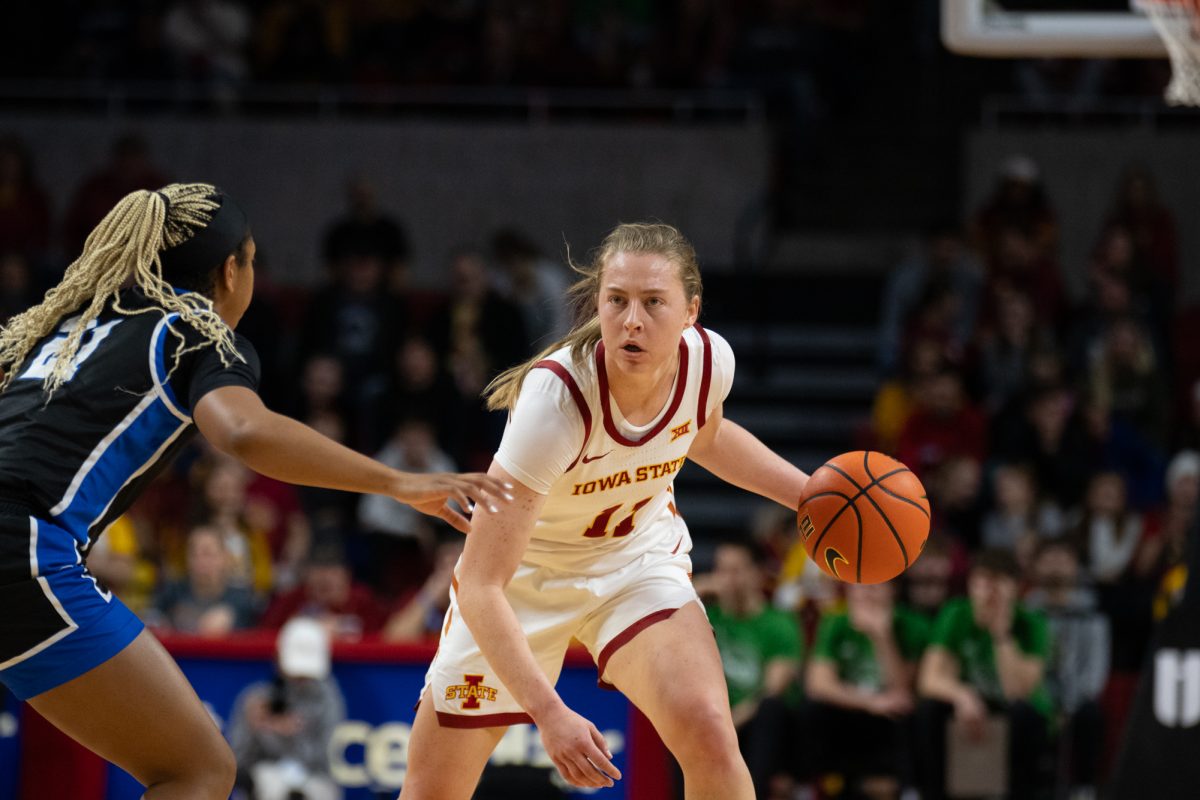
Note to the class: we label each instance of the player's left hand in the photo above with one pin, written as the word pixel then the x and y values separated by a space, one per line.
pixel 577 749
pixel 431 493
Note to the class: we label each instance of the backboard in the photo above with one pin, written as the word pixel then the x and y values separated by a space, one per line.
pixel 1049 28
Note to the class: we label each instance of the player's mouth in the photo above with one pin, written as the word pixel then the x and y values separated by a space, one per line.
pixel 630 347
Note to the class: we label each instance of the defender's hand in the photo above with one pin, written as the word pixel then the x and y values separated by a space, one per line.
pixel 430 493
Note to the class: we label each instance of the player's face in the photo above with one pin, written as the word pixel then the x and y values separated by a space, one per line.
pixel 643 310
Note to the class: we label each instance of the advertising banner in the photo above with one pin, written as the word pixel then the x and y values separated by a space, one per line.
pixel 381 685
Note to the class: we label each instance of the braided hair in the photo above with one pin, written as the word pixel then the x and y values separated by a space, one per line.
pixel 127 247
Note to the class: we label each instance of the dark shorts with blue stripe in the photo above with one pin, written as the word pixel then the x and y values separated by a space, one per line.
pixel 56 622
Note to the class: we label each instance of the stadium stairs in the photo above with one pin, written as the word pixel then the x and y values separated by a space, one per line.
pixel 806 376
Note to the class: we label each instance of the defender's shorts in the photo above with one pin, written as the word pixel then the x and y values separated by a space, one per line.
pixel 603 613
pixel 56 623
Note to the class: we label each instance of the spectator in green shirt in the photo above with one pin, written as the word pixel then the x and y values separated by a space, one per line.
pixel 987 656
pixel 760 651
pixel 860 682
pixel 1080 651
pixel 928 582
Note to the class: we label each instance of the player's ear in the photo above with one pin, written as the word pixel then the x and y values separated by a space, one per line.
pixel 693 312
pixel 228 274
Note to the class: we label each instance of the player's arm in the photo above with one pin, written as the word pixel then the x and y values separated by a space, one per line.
pixel 236 422
pixel 492 554
pixel 736 456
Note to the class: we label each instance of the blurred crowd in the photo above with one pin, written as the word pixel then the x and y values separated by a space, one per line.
pixel 225 45
pixel 391 371
pixel 1058 443
pixel 813 57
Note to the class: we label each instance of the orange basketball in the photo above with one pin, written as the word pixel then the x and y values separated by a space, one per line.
pixel 864 517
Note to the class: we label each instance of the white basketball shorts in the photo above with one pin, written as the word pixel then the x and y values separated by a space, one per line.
pixel 603 613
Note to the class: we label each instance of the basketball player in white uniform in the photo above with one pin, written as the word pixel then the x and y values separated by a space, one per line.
pixel 593 547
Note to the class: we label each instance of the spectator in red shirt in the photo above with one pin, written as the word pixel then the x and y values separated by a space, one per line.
pixel 420 616
pixel 329 594
pixel 129 168
pixel 1018 201
pixel 1150 224
pixel 943 425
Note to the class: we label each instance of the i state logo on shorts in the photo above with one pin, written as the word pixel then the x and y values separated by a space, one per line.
pixel 471 692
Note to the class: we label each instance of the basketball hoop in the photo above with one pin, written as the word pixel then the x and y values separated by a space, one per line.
pixel 1178 22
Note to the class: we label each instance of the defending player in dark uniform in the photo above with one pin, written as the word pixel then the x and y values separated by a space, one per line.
pixel 103 382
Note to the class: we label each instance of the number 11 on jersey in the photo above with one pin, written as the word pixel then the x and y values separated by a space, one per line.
pixel 599 527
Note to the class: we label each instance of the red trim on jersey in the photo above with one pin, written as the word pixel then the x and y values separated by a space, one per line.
pixel 705 377
pixel 680 388
pixel 483 720
pixel 624 637
pixel 576 395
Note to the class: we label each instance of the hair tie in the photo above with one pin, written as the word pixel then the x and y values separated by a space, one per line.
pixel 210 244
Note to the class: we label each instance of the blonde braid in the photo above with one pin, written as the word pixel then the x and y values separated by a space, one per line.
pixel 123 247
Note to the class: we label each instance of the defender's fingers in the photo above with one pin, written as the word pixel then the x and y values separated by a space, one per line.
pixel 464 502
pixel 479 494
pixel 455 519
pixel 493 487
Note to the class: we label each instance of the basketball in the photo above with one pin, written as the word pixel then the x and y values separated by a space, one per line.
pixel 864 517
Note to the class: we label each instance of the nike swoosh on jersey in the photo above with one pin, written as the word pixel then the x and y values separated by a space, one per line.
pixel 590 459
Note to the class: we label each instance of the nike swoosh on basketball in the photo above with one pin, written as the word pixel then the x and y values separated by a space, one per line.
pixel 588 460
pixel 832 557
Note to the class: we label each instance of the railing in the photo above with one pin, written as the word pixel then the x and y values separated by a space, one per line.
pixel 1151 113
pixel 533 103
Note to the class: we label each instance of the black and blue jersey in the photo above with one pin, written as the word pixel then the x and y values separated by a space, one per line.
pixel 73 461
pixel 79 457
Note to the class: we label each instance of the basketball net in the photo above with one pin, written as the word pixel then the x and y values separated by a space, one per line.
pixel 1178 22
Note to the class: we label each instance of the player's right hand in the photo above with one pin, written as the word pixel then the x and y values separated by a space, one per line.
pixel 577 749
pixel 431 493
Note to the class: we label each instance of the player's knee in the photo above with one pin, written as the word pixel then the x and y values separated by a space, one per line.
pixel 208 775
pixel 224 767
pixel 707 740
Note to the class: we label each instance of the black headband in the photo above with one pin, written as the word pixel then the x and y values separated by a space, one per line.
pixel 210 245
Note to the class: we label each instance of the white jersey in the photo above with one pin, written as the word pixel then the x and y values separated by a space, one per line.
pixel 608 484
